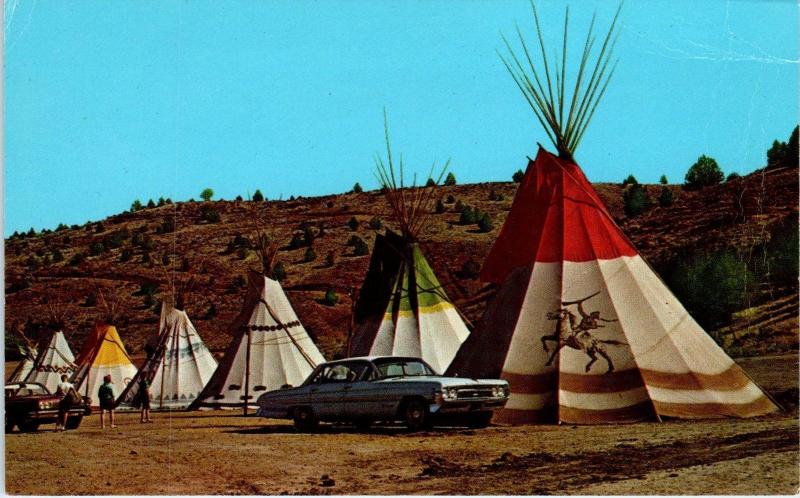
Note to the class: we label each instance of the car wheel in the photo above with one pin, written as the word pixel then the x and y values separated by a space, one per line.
pixel 28 426
pixel 304 419
pixel 479 420
pixel 73 422
pixel 415 414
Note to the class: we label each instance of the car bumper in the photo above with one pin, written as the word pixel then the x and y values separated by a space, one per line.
pixel 52 415
pixel 465 406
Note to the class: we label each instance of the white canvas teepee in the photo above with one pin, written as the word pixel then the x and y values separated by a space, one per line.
pixel 25 366
pixel 55 359
pixel 179 367
pixel 270 348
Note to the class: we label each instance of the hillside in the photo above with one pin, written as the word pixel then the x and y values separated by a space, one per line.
pixel 119 255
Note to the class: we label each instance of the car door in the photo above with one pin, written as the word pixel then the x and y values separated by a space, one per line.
pixel 325 392
pixel 360 396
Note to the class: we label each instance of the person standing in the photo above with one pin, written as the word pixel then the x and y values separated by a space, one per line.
pixel 107 397
pixel 68 394
pixel 144 399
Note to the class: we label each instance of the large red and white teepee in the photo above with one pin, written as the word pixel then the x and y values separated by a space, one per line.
pixel 582 328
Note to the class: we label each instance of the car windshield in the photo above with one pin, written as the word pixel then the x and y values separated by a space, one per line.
pixel 402 368
pixel 25 390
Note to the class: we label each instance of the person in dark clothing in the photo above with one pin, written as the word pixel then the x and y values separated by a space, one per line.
pixel 144 400
pixel 107 397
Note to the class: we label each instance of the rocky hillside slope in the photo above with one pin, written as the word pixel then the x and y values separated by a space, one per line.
pixel 128 256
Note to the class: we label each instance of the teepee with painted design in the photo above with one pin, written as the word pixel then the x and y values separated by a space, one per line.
pixel 177 368
pixel 270 347
pixel 418 319
pixel 102 354
pixel 581 327
pixel 54 360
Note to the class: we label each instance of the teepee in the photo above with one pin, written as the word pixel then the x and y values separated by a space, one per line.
pixel 581 327
pixel 54 360
pixel 178 367
pixel 103 353
pixel 270 347
pixel 418 319
pixel 23 369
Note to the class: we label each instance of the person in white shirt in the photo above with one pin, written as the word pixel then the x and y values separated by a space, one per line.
pixel 63 389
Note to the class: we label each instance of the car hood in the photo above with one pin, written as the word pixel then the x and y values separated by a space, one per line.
pixel 448 381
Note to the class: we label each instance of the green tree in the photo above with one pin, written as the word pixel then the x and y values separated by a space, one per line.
pixel 439 209
pixel 207 194
pixel 136 205
pixel 635 200
pixel 518 176
pixel 665 199
pixel 703 173
pixel 450 179
pixel 353 223
pixel 258 196
pixel 375 223
pixel 357 188
pixel 663 180
pixel 331 298
pixel 151 204
pixel 310 255
pixel 630 180
pixel 430 183
pixel 485 223
pixel 468 216
pixel 360 248
pixel 278 271
pixel 733 176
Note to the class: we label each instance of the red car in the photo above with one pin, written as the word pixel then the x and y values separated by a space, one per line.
pixel 30 404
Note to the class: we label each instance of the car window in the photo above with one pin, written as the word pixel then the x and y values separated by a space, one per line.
pixel 400 368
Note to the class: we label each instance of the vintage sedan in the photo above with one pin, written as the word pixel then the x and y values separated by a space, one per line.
pixel 30 404
pixel 384 388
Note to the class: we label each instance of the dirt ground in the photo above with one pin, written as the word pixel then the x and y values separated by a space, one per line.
pixel 224 453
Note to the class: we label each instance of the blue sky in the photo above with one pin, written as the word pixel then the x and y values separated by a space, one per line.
pixel 106 102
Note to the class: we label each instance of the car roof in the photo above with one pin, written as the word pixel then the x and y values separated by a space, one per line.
pixel 372 359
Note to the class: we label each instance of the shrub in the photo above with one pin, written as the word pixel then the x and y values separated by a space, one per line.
pixel 278 271
pixel 470 269
pixel 665 199
pixel 57 256
pixel 137 239
pixel 703 173
pixel 207 194
pixel 96 249
pixel 32 262
pixel 330 259
pixel 459 206
pixel 126 255
pixel 635 200
pixel 450 180
pixel 310 255
pixel 439 209
pixel 136 205
pixel 59 228
pixel 450 199
pixel 166 226
pixel 161 201
pixel 146 259
pixel 663 180
pixel 430 183
pixel 630 180
pixel 733 176
pixel 518 176
pixel 31 232
pixel 309 236
pixel 331 298
pixel 209 214
pixel 165 259
pixel 211 312
pixel 238 198
pixel 485 223
pixel 712 286
pixel 167 201
pixel 353 223
pixel 91 300
pixel 782 252
pixel 353 240
pixel 357 188
pixel 151 204
pixel 258 196
pixel 467 216
pixel 375 223
pixel 298 241
pixel 99 227
pixel 360 248
pixel 116 238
